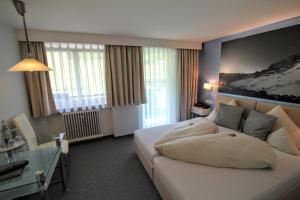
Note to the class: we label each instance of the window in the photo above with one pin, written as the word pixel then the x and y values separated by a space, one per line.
pixel 78 77
pixel 161 85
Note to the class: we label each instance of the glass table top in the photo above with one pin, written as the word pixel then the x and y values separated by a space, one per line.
pixel 41 159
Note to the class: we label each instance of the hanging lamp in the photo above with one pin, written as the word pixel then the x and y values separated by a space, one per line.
pixel 28 64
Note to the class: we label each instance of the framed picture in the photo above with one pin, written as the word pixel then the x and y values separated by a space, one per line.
pixel 266 65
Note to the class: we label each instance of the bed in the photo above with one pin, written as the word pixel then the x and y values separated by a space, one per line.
pixel 145 138
pixel 177 180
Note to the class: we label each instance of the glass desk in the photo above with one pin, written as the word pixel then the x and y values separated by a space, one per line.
pixel 45 159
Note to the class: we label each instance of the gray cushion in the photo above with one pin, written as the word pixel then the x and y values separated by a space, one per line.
pixel 258 124
pixel 229 116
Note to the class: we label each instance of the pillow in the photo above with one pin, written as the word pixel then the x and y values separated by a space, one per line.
pixel 295 136
pixel 258 124
pixel 234 150
pixel 213 114
pixel 229 116
pixel 232 103
pixel 283 120
pixel 281 140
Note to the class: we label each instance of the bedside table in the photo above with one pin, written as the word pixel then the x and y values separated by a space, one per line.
pixel 202 112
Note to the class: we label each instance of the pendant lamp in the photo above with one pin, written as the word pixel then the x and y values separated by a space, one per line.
pixel 28 64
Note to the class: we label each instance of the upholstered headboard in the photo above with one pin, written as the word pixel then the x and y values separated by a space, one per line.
pixel 264 107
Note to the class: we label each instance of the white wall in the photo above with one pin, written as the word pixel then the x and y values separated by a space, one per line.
pixel 117 121
pixel 126 119
pixel 13 96
pixel 56 36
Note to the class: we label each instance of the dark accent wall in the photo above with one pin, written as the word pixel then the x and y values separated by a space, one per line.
pixel 211 52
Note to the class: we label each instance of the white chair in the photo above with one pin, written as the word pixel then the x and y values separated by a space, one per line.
pixel 23 125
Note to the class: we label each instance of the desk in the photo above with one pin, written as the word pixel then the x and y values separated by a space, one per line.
pixel 45 159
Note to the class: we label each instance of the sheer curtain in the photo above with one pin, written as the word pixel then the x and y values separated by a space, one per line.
pixel 78 77
pixel 161 85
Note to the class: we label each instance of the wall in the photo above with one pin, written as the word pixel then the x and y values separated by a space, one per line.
pixel 13 97
pixel 122 120
pixel 56 36
pixel 211 50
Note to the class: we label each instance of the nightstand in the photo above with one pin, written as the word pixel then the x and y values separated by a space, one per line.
pixel 202 112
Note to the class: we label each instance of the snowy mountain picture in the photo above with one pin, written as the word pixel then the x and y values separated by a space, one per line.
pixel 266 65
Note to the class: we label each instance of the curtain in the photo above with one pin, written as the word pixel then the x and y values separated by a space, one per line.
pixel 161 83
pixel 188 61
pixel 124 75
pixel 78 77
pixel 38 83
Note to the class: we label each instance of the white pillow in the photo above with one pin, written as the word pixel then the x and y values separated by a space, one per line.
pixel 232 103
pixel 234 150
pixel 296 138
pixel 283 120
pixel 281 140
pixel 213 114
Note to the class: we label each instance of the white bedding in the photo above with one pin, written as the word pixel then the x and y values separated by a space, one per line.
pixel 196 182
pixel 144 139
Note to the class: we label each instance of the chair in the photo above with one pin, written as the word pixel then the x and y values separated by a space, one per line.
pixel 23 125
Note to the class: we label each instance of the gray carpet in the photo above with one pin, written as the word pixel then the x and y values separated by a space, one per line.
pixel 105 169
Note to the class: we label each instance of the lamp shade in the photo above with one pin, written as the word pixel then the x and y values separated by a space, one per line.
pixel 29 65
pixel 208 86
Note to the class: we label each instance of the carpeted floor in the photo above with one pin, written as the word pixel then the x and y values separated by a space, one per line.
pixel 105 169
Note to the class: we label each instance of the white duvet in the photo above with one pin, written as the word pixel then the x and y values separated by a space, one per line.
pixel 195 127
pixel 234 150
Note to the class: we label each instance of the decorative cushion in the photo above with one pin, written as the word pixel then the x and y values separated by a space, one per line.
pixel 295 136
pixel 283 120
pixel 232 102
pixel 281 140
pixel 234 150
pixel 229 116
pixel 258 124
pixel 213 114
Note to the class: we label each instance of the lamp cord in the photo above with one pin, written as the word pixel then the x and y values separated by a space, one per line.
pixel 26 36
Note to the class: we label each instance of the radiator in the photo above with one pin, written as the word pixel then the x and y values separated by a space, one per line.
pixel 82 125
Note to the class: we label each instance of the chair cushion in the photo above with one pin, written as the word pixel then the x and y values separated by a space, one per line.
pixel 64 146
pixel 23 125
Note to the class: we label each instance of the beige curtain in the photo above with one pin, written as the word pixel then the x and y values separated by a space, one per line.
pixel 188 60
pixel 38 83
pixel 124 75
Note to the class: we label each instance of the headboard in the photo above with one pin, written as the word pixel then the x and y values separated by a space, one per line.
pixel 260 106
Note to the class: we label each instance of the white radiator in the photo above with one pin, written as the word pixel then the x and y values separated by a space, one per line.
pixel 82 125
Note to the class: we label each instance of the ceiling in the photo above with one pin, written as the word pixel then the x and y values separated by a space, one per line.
pixel 186 20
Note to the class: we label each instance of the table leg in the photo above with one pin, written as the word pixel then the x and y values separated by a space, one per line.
pixel 44 195
pixel 63 173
